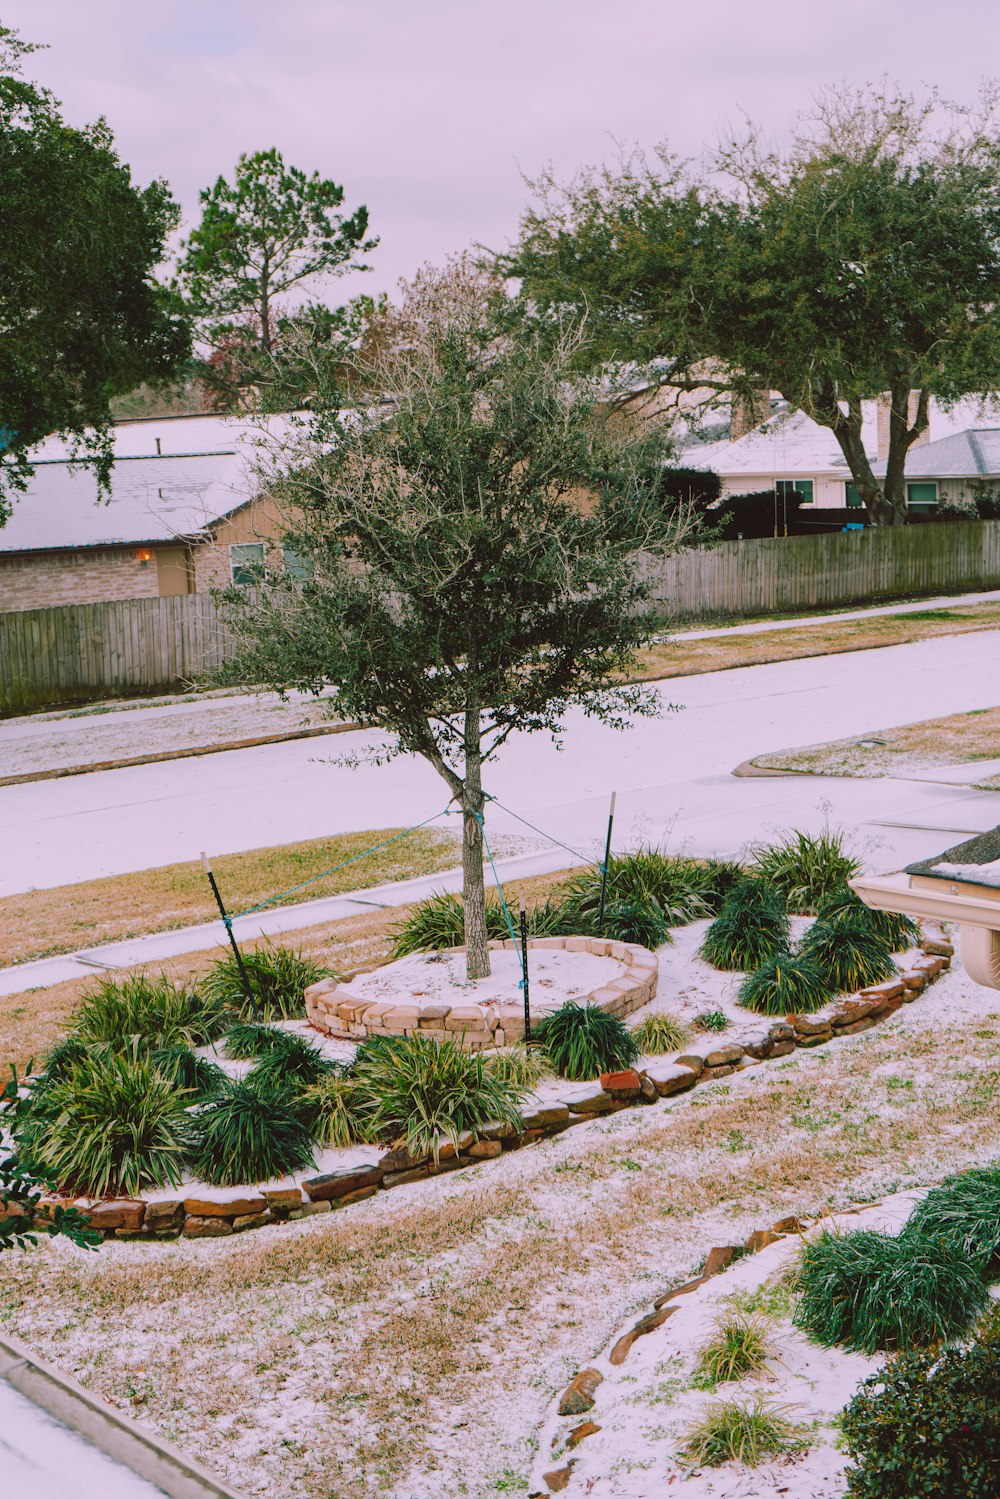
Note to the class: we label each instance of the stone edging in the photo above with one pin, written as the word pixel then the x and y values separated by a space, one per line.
pixel 219 1213
pixel 333 1009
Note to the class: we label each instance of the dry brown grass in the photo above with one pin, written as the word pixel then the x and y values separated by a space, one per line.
pixel 42 922
pixel 689 658
pixel 410 1343
pixel 957 738
pixel 32 1020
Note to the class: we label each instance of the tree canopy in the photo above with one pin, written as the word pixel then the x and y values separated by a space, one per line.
pixel 468 549
pixel 864 261
pixel 269 232
pixel 81 314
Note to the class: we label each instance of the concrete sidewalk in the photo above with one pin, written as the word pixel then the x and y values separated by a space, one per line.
pixel 207 935
pixel 801 621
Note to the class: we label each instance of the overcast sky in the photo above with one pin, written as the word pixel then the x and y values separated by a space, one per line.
pixel 430 110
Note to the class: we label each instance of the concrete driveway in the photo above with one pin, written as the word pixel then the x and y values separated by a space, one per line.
pixel 673 776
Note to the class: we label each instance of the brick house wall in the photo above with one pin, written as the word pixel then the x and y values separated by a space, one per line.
pixel 44 580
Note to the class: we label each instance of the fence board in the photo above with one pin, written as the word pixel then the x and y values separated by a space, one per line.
pixel 80 652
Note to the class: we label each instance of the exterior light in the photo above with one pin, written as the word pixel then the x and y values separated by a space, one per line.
pixel 145 556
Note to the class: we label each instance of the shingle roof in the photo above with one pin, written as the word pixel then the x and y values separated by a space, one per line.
pixel 972 454
pixel 172 478
pixel 785 445
pixel 983 849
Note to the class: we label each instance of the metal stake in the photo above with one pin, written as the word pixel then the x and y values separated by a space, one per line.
pixel 604 867
pixel 524 974
pixel 228 924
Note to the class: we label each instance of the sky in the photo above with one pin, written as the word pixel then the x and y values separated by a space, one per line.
pixel 433 112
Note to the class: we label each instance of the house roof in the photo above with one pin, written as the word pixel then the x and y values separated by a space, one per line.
pixel 977 861
pixel 172 478
pixel 784 445
pixel 972 454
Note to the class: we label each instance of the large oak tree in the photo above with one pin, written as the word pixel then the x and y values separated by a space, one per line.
pixel 863 261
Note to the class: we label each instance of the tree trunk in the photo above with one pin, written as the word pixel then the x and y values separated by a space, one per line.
pixel 847 430
pixel 477 954
pixel 265 306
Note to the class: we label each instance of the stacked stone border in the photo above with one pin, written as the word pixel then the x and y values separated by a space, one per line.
pixel 211 1214
pixel 335 1010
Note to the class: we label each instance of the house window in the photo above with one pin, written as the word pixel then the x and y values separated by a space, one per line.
pixel 787 487
pixel 852 499
pixel 922 496
pixel 296 566
pixel 246 563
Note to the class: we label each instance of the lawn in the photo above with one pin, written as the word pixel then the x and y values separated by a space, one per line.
pixel 956 739
pixel 32 1020
pixel 409 1344
pixel 42 922
pixel 722 652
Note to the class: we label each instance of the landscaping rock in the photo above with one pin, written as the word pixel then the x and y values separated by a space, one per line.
pixel 723 1056
pixel 890 989
pixel 589 1098
pixel 623 1086
pixel 281 1199
pixel 760 1239
pixel 225 1207
pixel 719 1258
pixel 120 1212
pixel 683 1290
pixel 670 1077
pixel 816 1038
pixel 864 1024
pixel 544 1115
pixel 585 1429
pixel 252 1220
pixel 308 1209
pixel 161 1216
pixel 709 1073
pixel 559 1478
pixel 789 1226
pixel 197 1226
pixel 358 1196
pixel 578 1397
pixel 484 1150
pixel 693 1060
pixel 647 1089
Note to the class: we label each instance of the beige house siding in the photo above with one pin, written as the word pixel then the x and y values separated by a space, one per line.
pixel 260 521
pixel 828 489
pixel 44 580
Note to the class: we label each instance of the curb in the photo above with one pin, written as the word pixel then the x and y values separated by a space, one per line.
pixel 111 1432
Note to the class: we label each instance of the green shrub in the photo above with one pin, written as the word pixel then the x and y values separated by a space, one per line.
pixel 741 1344
pixel 278 978
pixel 185 1069
pixel 660 1033
pixel 582 1041
pixel 928 1424
pixel 112 1123
pixel 751 928
pixel 246 1040
pixel 421 1093
pixel 290 1059
pixel 723 876
pixel 523 1066
pixel 900 932
pixel 64 1056
pixel 729 1431
pixel 250 1134
pixel 867 1291
pixel 679 888
pixel 964 1213
pixel 848 955
pixel 335 1111
pixel 631 921
pixel 804 868
pixel 437 923
pixel 788 984
pixel 711 1020
pixel 151 1012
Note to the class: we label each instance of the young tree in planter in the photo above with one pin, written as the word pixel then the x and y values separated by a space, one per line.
pixel 271 231
pixel 469 547
pixel 863 262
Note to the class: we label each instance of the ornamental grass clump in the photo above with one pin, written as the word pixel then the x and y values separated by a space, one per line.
pixel 149 1012
pixel 867 1291
pixel 842 905
pixel 660 1033
pixel 112 1124
pixel 629 921
pixel 848 954
pixel 292 1060
pixel 582 1041
pixel 183 1067
pixel 421 1093
pixel 751 928
pixel 438 923
pixel 964 1213
pixel 928 1423
pixel 790 983
pixel 731 1431
pixel 740 1344
pixel 679 888
pixel 523 1066
pixel 246 1040
pixel 249 1133
pixel 804 868
pixel 338 1111
pixel 277 976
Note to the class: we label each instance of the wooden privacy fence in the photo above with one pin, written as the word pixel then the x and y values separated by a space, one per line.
pixel 803 572
pixel 79 652
pixel 84 651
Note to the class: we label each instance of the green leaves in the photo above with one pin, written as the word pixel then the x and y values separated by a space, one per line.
pixel 250 1133
pixel 582 1041
pixel 750 929
pixel 789 983
pixel 278 978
